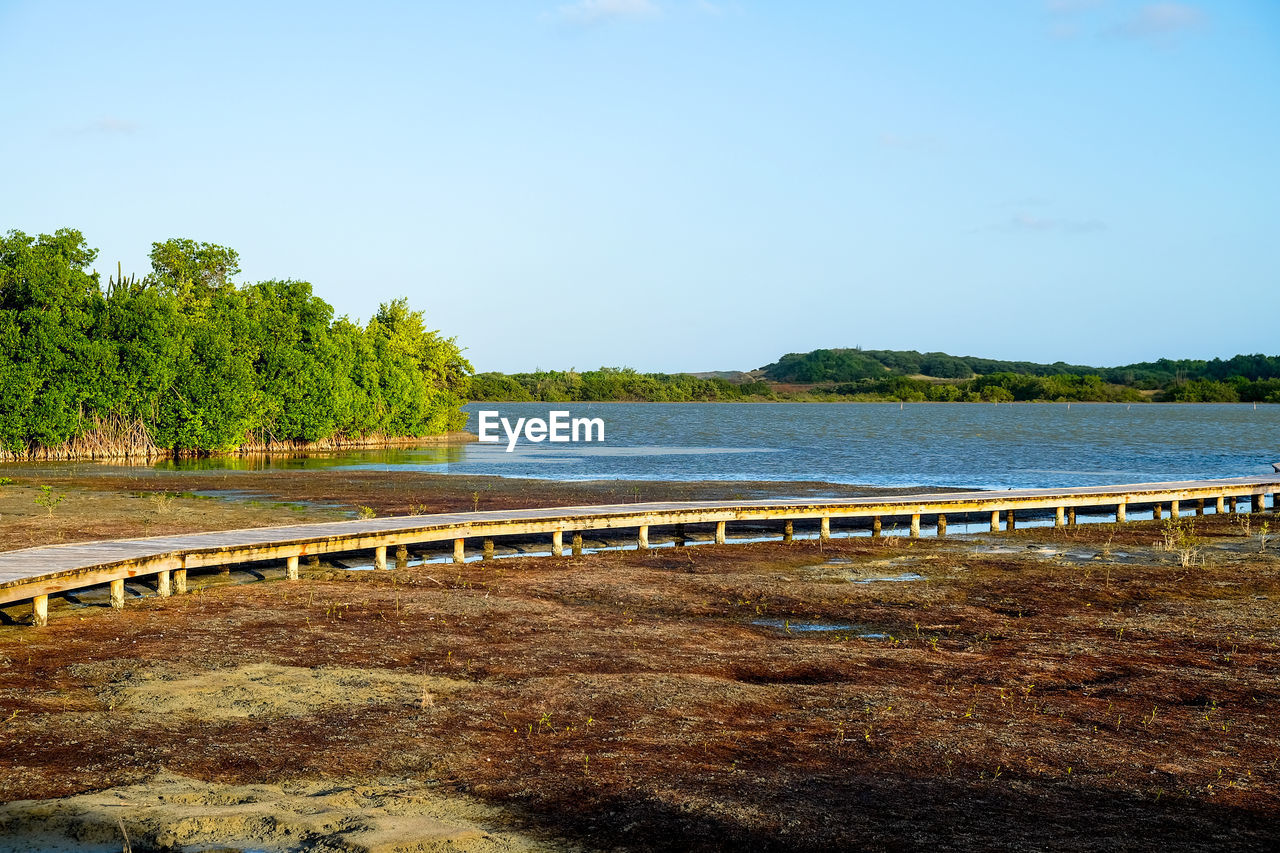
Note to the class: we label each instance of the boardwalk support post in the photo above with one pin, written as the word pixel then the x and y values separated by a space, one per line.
pixel 942 526
pixel 380 557
pixel 402 556
pixel 1121 512
pixel 720 538
pixel 915 525
pixel 1175 510
pixel 557 543
pixel 1255 505
pixel 995 521
pixel 788 531
pixel 642 537
pixel 824 530
pixel 1071 516
pixel 40 611
pixel 577 544
pixel 1157 512
pixel 180 581
pixel 875 527
pixel 459 550
pixel 1059 516
pixel 1221 506
pixel 117 594
pixel 1011 522
pixel 163 587
pixel 1200 507
pixel 488 549
pixel 290 569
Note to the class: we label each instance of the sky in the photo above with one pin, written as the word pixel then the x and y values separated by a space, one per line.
pixel 683 185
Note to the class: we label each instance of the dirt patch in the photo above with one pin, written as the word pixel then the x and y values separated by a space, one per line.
pixel 171 812
pixel 266 689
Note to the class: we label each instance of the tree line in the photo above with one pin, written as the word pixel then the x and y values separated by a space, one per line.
pixel 184 360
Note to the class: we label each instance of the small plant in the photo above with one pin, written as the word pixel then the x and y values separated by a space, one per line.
pixel 1179 537
pixel 163 502
pixel 6 481
pixel 475 501
pixel 1262 533
pixel 365 512
pixel 1245 523
pixel 49 499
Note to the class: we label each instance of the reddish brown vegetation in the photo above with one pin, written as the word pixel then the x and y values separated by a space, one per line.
pixel 1022 701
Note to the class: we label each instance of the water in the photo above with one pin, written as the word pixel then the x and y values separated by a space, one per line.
pixel 967 445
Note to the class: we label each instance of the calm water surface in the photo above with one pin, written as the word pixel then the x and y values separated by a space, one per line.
pixel 967 445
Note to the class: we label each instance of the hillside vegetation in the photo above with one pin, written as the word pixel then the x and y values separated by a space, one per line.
pixel 893 375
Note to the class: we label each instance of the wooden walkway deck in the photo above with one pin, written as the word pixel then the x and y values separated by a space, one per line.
pixel 36 573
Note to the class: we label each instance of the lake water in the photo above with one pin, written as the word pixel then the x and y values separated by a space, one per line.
pixel 931 444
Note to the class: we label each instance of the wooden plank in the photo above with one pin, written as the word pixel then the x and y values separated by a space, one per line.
pixel 61 568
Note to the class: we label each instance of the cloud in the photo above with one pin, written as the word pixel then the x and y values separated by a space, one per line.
pixel 587 12
pixel 1023 222
pixel 1070 7
pixel 1160 20
pixel 906 142
pixel 108 125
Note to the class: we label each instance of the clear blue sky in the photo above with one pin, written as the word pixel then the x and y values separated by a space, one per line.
pixel 679 185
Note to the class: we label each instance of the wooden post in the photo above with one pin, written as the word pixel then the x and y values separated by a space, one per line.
pixel 788 531
pixel 942 526
pixel 488 549
pixel 117 594
pixel 720 532
pixel 402 556
pixel 1174 508
pixel 824 530
pixel 995 521
pixel 577 544
pixel 459 550
pixel 678 539
pixel 179 581
pixel 1221 506
pixel 1010 522
pixel 163 588
pixel 1255 504
pixel 915 526
pixel 1157 512
pixel 1120 513
pixel 1231 504
pixel 291 568
pixel 875 527
pixel 1059 516
pixel 1071 516
pixel 380 557
pixel 642 537
pixel 39 611
pixel 557 543
pixel 1200 507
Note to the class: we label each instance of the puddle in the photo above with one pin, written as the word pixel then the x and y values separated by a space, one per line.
pixel 804 626
pixel 902 578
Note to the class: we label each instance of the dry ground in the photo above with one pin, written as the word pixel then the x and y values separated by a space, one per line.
pixel 1037 690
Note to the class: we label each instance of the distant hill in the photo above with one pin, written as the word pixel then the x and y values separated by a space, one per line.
pixel 852 365
pixel 906 375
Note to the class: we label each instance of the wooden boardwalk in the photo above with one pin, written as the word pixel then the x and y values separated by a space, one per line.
pixel 36 573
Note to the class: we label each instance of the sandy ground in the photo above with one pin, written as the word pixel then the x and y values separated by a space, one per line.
pixel 1044 689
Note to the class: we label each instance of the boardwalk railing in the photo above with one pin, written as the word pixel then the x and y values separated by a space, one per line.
pixel 37 573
